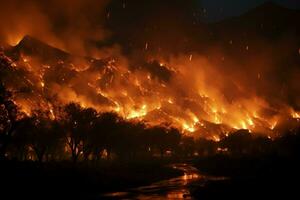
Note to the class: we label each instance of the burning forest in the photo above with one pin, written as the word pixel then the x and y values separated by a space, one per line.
pixel 186 92
pixel 154 74
pixel 205 93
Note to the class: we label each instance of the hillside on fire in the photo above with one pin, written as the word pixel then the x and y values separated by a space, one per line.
pixel 106 99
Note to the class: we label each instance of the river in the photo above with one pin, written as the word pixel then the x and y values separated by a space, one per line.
pixel 174 188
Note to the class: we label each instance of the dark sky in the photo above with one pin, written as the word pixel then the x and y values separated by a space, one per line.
pixel 219 9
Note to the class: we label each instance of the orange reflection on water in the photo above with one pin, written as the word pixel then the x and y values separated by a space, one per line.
pixel 181 194
pixel 190 176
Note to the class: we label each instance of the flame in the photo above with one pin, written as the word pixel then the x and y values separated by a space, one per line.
pixel 52 116
pixel 295 115
pixel 170 101
pixel 189 100
pixel 137 113
pixel 189 128
pixel 14 40
pixel 250 121
pixel 216 138
pixel 273 124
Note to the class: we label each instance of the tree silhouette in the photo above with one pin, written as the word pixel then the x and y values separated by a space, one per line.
pixel 163 139
pixel 289 144
pixel 173 139
pixel 78 123
pixel 8 119
pixel 155 136
pixel 187 146
pixel 238 142
pixel 40 133
pixel 20 140
pixel 205 147
pixel 108 125
pixel 130 140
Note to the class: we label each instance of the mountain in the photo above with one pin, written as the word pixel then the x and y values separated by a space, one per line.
pixel 268 30
pixel 268 21
pixel 165 33
pixel 33 47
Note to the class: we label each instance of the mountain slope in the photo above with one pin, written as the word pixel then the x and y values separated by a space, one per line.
pixel 33 47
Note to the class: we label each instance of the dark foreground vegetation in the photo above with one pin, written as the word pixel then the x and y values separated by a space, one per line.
pixel 268 174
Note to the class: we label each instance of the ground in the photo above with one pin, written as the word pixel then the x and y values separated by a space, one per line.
pixel 83 181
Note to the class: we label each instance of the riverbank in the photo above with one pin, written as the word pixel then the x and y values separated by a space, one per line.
pixel 249 177
pixel 81 181
pixel 174 188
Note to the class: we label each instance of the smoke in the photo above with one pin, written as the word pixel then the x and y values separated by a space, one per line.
pixel 72 25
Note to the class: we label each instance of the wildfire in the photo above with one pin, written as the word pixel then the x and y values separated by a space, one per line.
pixel 137 113
pixel 216 138
pixel 52 116
pixel 185 96
pixel 295 115
pixel 250 121
pixel 273 125
pixel 170 101
pixel 189 128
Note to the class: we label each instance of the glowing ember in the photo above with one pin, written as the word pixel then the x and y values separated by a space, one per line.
pixel 185 93
pixel 216 138
pixel 170 101
pixel 189 128
pixel 52 116
pixel 273 125
pixel 137 113
pixel 296 115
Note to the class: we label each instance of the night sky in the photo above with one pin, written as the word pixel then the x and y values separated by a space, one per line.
pixel 220 9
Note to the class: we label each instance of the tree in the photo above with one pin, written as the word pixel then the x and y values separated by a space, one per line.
pixel 8 121
pixel 108 125
pixel 173 138
pixel 20 140
pixel 288 144
pixel 163 139
pixel 78 123
pixel 40 133
pixel 155 137
pixel 187 146
pixel 130 140
pixel 238 142
pixel 205 147
pixel 46 138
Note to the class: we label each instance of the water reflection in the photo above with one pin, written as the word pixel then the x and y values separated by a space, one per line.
pixel 175 188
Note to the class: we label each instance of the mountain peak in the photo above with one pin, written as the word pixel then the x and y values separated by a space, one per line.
pixel 266 13
pixel 27 38
pixel 271 5
pixel 29 42
pixel 268 7
pixel 33 46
